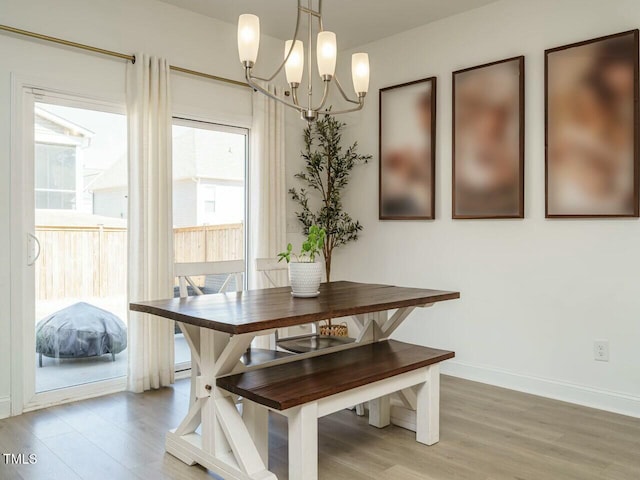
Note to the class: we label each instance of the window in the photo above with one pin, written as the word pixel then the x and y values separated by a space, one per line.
pixel 207 194
pixel 55 181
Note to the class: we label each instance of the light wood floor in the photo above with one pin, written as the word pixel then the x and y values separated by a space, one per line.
pixel 487 433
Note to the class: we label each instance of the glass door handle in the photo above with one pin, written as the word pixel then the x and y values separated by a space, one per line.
pixel 32 262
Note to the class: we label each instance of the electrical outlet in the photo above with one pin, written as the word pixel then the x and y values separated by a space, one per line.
pixel 601 350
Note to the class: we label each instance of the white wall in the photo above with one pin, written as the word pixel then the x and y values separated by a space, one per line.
pixel 535 293
pixel 186 39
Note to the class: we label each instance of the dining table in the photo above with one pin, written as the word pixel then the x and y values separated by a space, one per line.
pixel 230 438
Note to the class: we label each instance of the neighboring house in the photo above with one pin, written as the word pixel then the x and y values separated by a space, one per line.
pixel 59 146
pixel 110 191
pixel 208 180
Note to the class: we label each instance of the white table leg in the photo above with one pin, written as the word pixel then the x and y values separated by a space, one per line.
pixel 303 443
pixel 225 445
pixel 192 337
pixel 402 410
pixel 212 345
pixel 428 411
pixel 195 372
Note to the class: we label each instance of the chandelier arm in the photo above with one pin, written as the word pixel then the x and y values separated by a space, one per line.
pixel 293 43
pixel 342 92
pixel 294 96
pixel 348 110
pixel 255 86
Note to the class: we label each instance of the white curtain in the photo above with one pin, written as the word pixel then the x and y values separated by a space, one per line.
pixel 268 190
pixel 151 347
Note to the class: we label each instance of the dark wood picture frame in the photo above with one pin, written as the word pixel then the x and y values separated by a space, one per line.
pixel 521 140
pixel 636 118
pixel 432 216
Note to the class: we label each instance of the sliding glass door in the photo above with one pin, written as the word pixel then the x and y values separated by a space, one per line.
pixel 76 153
pixel 209 203
pixel 75 195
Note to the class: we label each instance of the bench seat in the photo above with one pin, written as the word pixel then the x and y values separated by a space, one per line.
pixel 291 384
pixel 305 390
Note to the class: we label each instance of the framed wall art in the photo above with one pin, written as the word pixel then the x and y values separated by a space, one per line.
pixel 488 140
pixel 407 124
pixel 591 128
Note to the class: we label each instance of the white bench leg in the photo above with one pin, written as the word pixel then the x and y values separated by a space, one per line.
pixel 428 411
pixel 303 443
pixel 380 412
pixel 256 418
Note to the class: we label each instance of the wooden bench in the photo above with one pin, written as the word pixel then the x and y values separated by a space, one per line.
pixel 308 389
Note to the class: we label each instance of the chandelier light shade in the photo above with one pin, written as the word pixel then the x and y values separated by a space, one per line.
pixel 294 66
pixel 248 38
pixel 295 62
pixel 327 54
pixel 360 72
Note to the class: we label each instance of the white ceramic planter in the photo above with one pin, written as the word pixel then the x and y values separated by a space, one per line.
pixel 305 278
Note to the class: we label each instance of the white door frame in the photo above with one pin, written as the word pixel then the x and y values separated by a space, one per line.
pixel 22 308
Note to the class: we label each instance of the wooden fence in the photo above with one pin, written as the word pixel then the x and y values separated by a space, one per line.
pixel 209 243
pixel 78 262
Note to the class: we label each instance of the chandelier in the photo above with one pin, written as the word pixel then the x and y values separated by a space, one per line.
pixel 293 63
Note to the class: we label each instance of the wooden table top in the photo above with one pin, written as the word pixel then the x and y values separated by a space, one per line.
pixel 256 310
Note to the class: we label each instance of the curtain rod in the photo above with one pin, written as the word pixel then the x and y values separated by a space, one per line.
pixel 111 53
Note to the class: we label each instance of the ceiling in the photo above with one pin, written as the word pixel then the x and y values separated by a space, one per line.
pixel 355 22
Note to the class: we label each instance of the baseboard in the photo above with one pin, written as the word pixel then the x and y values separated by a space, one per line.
pixel 579 394
pixel 5 407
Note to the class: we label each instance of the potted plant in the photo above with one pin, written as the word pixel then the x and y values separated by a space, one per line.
pixel 305 273
pixel 328 167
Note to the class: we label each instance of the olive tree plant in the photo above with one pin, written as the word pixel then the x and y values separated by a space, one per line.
pixel 326 174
